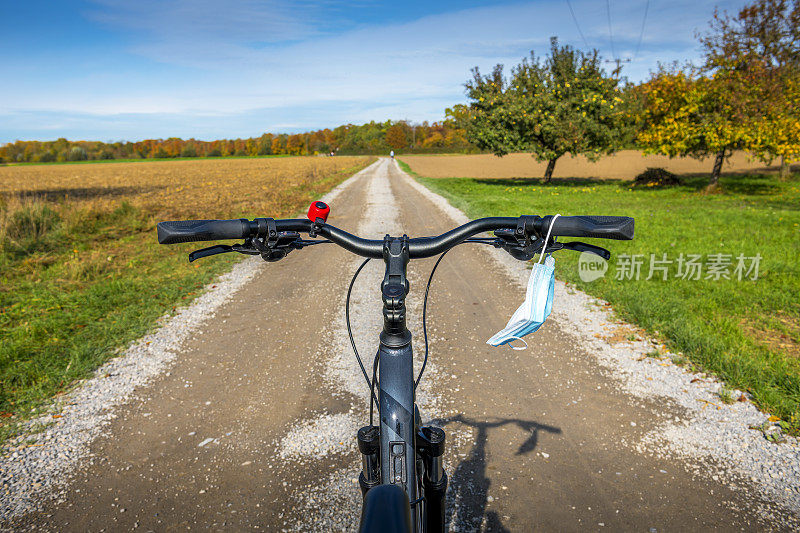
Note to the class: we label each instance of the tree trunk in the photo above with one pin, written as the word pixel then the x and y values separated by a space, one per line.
pixel 548 174
pixel 784 168
pixel 717 169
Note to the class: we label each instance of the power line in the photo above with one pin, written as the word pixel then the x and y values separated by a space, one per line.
pixel 577 25
pixel 610 32
pixel 641 33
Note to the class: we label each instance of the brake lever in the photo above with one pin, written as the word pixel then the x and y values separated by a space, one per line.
pixel 525 249
pixel 222 249
pixel 269 250
pixel 211 250
pixel 584 247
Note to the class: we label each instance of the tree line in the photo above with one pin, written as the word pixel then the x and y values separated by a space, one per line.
pixel 370 138
pixel 744 95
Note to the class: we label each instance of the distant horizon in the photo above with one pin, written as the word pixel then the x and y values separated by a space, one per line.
pixel 108 69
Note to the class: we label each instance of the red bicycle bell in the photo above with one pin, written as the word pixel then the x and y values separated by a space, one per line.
pixel 318 210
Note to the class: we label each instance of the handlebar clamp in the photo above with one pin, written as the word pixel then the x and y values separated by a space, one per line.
pixel 267 230
pixel 519 242
pixel 272 246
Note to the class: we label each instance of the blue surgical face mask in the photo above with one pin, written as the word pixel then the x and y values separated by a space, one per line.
pixel 537 305
pixel 534 310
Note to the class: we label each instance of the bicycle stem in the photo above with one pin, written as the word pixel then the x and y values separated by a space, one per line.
pixel 394 288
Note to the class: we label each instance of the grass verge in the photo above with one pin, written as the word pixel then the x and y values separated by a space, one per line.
pixel 746 332
pixel 80 281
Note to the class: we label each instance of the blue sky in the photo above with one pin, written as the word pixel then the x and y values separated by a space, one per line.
pixel 121 70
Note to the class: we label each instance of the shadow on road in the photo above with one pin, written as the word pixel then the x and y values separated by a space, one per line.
pixel 469 483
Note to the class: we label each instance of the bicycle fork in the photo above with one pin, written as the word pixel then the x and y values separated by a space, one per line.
pixel 429 443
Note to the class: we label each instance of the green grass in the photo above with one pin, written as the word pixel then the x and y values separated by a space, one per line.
pixel 85 286
pixel 746 332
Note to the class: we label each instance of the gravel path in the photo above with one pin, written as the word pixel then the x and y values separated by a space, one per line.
pixel 32 467
pixel 303 477
pixel 321 437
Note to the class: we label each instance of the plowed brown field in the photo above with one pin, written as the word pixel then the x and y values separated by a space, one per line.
pixel 622 165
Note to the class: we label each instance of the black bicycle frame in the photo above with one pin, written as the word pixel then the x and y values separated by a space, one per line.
pixel 404 453
pixel 396 371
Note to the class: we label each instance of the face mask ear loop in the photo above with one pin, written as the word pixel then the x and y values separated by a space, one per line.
pixel 547 239
pixel 517 347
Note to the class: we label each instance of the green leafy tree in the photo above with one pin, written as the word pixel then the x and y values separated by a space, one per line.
pixel 690 115
pixel 563 104
pixel 743 97
pixel 77 153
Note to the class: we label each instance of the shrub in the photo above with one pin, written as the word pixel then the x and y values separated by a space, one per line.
pixel 214 153
pixel 106 154
pixel 240 153
pixel 657 177
pixel 25 225
pixel 47 157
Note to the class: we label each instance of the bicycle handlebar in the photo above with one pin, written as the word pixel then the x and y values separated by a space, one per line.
pixel 601 227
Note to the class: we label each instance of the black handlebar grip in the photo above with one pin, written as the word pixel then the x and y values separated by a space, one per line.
pixel 176 231
pixel 598 227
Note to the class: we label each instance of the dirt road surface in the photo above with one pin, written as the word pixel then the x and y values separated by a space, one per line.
pixel 254 426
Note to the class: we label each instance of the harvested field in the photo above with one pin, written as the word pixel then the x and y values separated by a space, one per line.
pixel 81 273
pixel 622 165
pixel 210 188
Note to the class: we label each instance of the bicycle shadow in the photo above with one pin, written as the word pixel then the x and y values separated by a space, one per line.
pixel 469 483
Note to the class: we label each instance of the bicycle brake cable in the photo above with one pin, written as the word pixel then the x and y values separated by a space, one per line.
pixel 425 315
pixel 371 384
pixel 372 388
pixel 350 330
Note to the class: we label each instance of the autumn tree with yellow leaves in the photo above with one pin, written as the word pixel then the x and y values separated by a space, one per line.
pixel 743 97
pixel 396 137
pixel 764 38
pixel 688 114
pixel 562 104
